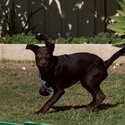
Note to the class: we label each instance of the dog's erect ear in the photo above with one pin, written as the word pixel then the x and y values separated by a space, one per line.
pixel 32 47
pixel 49 45
pixel 40 36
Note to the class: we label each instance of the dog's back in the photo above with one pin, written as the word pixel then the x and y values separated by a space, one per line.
pixel 71 68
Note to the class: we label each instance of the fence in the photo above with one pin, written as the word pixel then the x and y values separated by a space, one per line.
pixel 65 17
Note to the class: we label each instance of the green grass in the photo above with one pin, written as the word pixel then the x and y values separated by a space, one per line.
pixel 19 99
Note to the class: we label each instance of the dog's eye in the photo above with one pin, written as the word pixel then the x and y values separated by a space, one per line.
pixel 39 55
pixel 47 55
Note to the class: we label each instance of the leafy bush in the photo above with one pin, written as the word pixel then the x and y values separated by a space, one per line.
pixel 117 24
pixel 19 39
pixel 118 21
pixel 75 40
pixel 105 38
pixel 11 24
pixel 100 38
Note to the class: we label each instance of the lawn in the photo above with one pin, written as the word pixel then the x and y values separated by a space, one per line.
pixel 19 99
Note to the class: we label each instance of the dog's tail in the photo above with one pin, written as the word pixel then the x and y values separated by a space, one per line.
pixel 114 57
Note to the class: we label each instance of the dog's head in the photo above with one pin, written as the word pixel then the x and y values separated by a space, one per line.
pixel 43 55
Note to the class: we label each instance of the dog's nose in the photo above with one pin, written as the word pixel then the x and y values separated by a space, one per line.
pixel 43 63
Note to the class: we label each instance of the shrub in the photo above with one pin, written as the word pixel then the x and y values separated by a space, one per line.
pixel 105 38
pixel 11 24
pixel 75 40
pixel 117 24
pixel 100 38
pixel 19 39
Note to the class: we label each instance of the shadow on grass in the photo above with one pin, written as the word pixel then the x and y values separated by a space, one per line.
pixel 65 108
pixel 102 106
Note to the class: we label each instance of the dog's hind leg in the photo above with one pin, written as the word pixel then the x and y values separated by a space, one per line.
pixel 99 98
pixel 90 90
pixel 92 85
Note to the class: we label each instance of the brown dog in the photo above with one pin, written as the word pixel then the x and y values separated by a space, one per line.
pixel 61 72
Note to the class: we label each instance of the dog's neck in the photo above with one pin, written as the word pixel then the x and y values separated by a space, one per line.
pixel 47 68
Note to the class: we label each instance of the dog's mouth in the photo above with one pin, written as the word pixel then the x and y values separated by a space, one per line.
pixel 42 64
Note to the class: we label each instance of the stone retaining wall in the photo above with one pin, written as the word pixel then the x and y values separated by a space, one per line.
pixel 18 51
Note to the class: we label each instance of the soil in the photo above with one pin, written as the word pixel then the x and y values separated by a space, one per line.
pixel 32 67
pixel 18 66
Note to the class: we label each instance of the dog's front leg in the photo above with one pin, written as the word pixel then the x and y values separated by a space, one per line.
pixel 56 96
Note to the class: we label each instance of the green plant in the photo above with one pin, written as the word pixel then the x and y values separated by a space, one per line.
pixel 75 40
pixel 105 38
pixel 100 38
pixel 20 38
pixel 9 22
pixel 12 24
pixel 118 24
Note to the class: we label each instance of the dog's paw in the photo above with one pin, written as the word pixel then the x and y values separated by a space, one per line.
pixel 91 108
pixel 40 112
